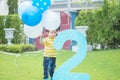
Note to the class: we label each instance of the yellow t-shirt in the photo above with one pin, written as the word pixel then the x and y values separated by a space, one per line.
pixel 49 50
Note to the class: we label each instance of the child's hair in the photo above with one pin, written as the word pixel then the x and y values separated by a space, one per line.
pixel 58 29
pixel 47 31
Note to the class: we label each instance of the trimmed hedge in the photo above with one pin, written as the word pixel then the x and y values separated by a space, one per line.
pixel 17 48
pixel 3 47
pixel 14 49
pixel 28 47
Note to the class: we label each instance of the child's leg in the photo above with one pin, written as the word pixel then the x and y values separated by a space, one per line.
pixel 46 69
pixel 52 66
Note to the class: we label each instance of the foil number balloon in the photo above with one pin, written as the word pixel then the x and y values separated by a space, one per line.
pixel 63 71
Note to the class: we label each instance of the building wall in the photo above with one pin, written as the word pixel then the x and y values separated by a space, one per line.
pixel 3 7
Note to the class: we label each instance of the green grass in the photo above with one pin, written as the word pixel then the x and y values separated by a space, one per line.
pixel 100 65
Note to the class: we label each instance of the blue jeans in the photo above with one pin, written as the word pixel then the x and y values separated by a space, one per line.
pixel 49 64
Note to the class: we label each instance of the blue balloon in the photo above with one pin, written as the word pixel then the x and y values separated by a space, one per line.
pixel 31 16
pixel 43 5
pixel 63 72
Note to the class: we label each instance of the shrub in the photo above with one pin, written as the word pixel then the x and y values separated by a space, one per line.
pixel 103 23
pixel 28 47
pixel 3 47
pixel 17 48
pixel 14 48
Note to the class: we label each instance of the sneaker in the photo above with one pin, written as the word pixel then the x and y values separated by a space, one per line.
pixel 46 79
pixel 51 78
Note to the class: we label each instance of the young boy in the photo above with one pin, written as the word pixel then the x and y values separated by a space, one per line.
pixel 49 61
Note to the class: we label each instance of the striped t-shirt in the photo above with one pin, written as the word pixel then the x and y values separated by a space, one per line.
pixel 49 50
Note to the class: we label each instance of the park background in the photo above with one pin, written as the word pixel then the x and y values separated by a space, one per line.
pixel 103 22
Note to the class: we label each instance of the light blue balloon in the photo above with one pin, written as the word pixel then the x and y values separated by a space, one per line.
pixel 31 16
pixel 62 72
pixel 43 5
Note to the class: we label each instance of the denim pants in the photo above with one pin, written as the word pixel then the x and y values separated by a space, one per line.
pixel 49 64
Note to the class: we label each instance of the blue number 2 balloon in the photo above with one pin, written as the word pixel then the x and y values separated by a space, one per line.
pixel 63 71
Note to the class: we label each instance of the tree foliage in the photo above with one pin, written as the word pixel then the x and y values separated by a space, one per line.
pixel 13 7
pixel 10 21
pixel 104 24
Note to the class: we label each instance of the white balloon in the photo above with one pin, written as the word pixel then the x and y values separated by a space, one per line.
pixel 33 32
pixel 22 6
pixel 51 20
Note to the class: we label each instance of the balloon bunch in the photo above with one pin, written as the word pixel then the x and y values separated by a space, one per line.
pixel 35 15
pixel 42 4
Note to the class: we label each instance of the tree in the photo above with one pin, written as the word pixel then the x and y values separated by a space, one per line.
pixel 13 7
pixel 104 24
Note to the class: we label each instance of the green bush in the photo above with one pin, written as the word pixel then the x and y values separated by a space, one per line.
pixel 14 49
pixel 3 47
pixel 17 48
pixel 103 23
pixel 28 47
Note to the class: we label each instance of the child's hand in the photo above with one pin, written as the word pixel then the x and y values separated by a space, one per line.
pixel 41 35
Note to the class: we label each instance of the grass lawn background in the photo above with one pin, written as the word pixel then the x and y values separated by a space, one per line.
pixel 100 65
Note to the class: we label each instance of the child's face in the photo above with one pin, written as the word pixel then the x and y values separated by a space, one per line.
pixel 52 34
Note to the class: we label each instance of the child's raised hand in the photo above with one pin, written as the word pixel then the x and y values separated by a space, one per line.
pixel 41 35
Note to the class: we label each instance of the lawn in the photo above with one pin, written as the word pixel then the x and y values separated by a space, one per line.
pixel 100 65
